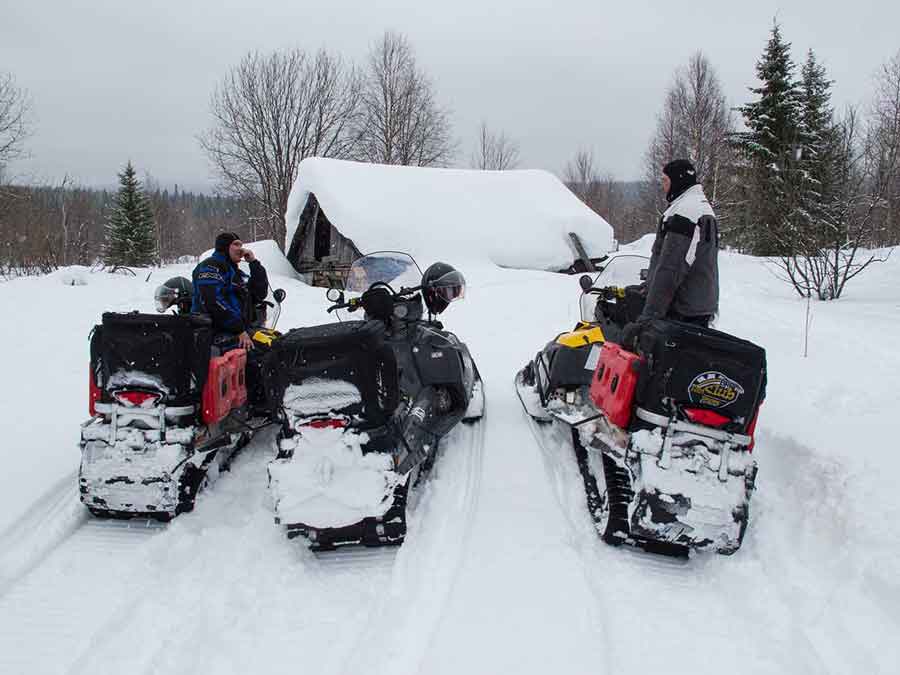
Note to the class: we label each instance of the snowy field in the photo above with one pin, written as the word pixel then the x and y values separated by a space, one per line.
pixel 501 570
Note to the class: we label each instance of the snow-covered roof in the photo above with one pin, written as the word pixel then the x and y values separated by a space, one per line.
pixel 510 218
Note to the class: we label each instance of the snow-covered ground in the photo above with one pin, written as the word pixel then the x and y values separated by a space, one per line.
pixel 502 570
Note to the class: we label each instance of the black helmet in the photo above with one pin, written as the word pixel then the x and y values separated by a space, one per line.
pixel 178 292
pixel 441 285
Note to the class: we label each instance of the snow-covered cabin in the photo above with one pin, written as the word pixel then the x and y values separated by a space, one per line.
pixel 339 210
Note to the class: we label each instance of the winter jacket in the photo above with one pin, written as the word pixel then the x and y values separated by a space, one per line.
pixel 226 294
pixel 683 277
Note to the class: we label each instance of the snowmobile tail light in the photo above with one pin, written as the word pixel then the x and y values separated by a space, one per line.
pixel 329 423
pixel 93 393
pixel 136 399
pixel 708 418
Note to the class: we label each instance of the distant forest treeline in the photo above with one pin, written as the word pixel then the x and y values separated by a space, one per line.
pixel 46 227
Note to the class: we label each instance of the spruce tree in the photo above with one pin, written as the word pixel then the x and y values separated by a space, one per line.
pixel 821 147
pixel 772 149
pixel 130 230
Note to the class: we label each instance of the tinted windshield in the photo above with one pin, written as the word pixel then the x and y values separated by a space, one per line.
pixel 620 271
pixel 388 267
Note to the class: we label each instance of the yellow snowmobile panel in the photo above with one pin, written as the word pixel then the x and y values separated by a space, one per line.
pixel 265 336
pixel 584 334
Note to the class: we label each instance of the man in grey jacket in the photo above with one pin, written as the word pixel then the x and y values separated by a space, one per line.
pixel 683 277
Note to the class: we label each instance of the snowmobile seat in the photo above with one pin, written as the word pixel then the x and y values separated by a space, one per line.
pixel 351 351
pixel 167 353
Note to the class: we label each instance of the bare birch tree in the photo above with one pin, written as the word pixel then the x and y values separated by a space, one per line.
pixel 695 123
pixel 15 114
pixel 402 121
pixel 272 111
pixel 495 152
pixel 582 177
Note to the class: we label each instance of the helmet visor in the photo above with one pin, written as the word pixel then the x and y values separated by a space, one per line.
pixel 450 286
pixel 164 297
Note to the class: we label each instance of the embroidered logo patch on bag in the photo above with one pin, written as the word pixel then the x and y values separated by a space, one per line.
pixel 714 389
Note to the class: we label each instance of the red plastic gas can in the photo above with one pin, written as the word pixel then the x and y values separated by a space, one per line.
pixel 614 382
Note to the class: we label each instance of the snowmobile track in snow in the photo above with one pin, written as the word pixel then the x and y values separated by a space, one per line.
pixel 706 595
pixel 405 619
pixel 56 604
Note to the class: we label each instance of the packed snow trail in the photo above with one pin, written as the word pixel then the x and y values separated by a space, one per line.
pixel 226 577
pixel 49 620
pixel 502 569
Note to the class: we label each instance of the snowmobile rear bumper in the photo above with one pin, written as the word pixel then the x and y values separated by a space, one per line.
pixel 689 486
pixel 387 530
pixel 123 480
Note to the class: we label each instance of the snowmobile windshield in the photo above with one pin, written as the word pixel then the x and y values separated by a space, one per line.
pixel 387 267
pixel 619 272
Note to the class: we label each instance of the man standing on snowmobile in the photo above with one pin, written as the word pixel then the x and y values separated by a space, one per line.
pixel 225 293
pixel 683 277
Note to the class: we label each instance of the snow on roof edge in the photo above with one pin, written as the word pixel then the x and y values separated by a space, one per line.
pixel 517 218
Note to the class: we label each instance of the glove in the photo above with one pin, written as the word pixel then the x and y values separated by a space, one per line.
pixel 630 335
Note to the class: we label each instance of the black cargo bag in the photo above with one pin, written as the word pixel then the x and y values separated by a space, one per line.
pixel 690 366
pixel 133 350
pixel 351 351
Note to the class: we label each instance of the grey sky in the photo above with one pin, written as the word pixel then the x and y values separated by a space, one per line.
pixel 113 80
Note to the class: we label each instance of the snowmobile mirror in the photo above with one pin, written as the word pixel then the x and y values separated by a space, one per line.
pixel 586 282
pixel 334 295
pixel 645 273
pixel 279 295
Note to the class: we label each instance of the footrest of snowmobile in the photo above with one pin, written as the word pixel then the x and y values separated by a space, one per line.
pixel 368 532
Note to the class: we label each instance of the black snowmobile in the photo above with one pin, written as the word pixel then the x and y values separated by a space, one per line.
pixel 169 406
pixel 365 403
pixel 663 437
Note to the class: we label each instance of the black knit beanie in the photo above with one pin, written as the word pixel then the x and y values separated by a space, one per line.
pixel 682 174
pixel 223 241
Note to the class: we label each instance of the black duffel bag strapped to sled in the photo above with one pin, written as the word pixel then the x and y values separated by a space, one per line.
pixel 134 350
pixel 351 351
pixel 685 365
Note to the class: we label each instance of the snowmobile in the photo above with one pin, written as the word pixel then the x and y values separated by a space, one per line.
pixel 663 436
pixel 170 404
pixel 365 403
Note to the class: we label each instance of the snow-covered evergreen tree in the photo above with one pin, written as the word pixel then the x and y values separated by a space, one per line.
pixel 130 230
pixel 821 145
pixel 772 150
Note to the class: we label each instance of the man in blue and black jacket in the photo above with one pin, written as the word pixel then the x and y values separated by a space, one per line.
pixel 227 294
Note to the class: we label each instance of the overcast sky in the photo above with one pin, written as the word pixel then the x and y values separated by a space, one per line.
pixel 113 80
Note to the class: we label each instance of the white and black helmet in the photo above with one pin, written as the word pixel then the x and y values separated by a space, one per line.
pixel 177 292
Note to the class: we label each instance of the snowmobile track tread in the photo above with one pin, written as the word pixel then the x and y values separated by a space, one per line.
pixel 618 491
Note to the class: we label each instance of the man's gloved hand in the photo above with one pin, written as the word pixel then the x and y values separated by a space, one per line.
pixel 630 335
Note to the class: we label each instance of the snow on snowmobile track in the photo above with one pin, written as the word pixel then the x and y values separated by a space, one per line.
pixel 682 604
pixel 139 596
